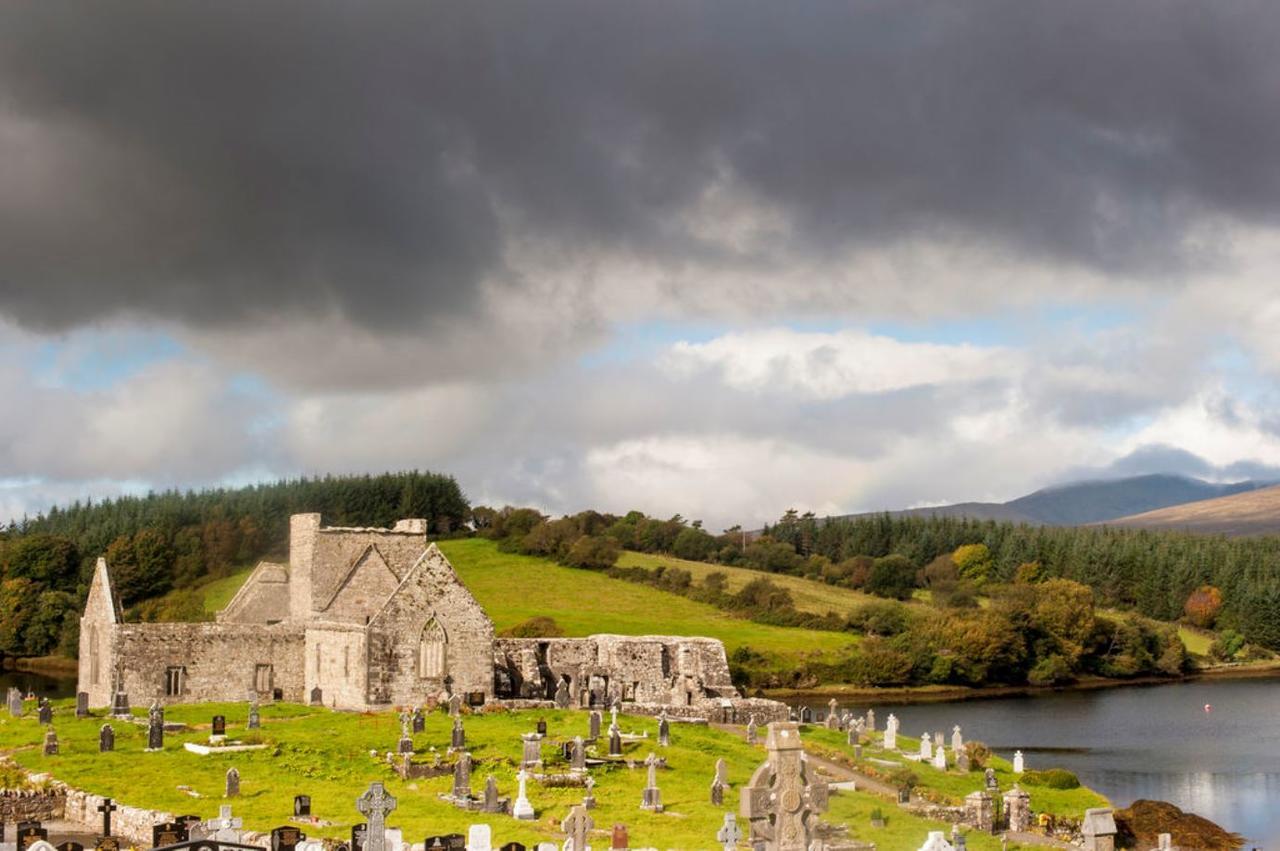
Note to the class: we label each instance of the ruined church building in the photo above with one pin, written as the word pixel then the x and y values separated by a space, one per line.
pixel 364 619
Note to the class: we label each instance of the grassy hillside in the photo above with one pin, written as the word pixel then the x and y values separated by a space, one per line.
pixel 809 596
pixel 1255 512
pixel 513 588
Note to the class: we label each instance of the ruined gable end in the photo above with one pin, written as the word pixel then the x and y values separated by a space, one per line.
pixel 263 598
pixel 98 627
pixel 368 584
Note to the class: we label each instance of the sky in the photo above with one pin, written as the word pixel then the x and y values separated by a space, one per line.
pixel 718 259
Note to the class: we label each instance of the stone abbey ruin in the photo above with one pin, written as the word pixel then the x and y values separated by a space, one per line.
pixel 364 619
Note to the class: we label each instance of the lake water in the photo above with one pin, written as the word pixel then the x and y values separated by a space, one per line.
pixel 41 684
pixel 1154 742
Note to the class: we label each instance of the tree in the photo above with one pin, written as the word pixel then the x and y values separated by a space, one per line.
pixel 47 559
pixel 892 576
pixel 593 553
pixel 1202 606
pixel 973 561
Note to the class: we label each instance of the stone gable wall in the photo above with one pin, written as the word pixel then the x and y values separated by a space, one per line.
pixel 219 658
pixel 364 592
pixel 337 662
pixel 97 639
pixel 431 590
pixel 264 597
pixel 336 550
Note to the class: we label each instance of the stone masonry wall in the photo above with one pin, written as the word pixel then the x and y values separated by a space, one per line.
pixel 337 662
pixel 336 550
pixel 264 597
pixel 220 659
pixel 431 591
pixel 97 638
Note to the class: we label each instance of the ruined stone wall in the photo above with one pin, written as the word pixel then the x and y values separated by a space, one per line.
pixel 337 663
pixel 220 659
pixel 430 592
pixel 364 591
pixel 337 549
pixel 98 625
pixel 303 531
pixel 263 598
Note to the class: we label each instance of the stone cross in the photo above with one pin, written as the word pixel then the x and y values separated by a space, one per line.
pixel 729 834
pixel 107 807
pixel 937 740
pixel 375 805
pixel 522 809
pixel 890 733
pixel 226 828
pixel 233 783
pixel 577 826
pixel 783 799
pixel 957 740
pixel 1018 762
pixel 589 799
pixel 652 796
pixel 479 838
pixel 926 747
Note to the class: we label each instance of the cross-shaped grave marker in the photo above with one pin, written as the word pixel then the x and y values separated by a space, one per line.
pixel 375 805
pixel 784 790
pixel 225 828
pixel 576 827
pixel 107 807
pixel 729 835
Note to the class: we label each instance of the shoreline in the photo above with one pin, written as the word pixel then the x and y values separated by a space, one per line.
pixel 947 694
pixel 52 665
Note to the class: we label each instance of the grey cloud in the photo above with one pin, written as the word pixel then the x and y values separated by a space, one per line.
pixel 229 163
pixel 1160 458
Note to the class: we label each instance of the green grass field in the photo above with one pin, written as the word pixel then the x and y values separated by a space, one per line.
pixel 218 593
pixel 513 588
pixel 326 755
pixel 809 596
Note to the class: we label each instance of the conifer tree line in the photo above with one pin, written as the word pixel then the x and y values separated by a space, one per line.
pixel 174 540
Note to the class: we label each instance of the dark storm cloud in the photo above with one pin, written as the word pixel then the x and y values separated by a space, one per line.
pixel 222 162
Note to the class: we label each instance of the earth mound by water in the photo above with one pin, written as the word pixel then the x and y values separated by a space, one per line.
pixel 1141 824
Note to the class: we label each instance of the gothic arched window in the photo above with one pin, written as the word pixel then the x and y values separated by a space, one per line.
pixel 431 651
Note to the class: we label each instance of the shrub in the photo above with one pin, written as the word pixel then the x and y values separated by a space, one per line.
pixel 537 627
pixel 593 553
pixel 903 778
pixel 978 753
pixel 1051 670
pixel 1053 778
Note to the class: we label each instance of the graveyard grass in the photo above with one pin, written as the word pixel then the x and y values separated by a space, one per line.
pixel 513 588
pixel 326 755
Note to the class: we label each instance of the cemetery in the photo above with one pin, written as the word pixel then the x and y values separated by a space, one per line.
pixel 527 777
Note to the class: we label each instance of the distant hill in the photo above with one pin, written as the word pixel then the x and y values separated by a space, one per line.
pixel 1095 501
pixel 1255 512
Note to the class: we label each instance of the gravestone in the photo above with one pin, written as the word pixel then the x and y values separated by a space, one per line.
pixel 729 834
pixel 664 730
pixel 937 841
pixel 926 748
pixel 1017 808
pixel 50 742
pixel 857 751
pixel 562 695
pixel 69 846
pixel 615 741
pixel 852 738
pixel 513 846
pixel 455 704
pixel 491 802
pixel 219 725
pixel 233 783
pixel 168 833
pixel 317 697
pixel 578 761
pixel 31 832
pixel 871 720
pixel 784 798
pixel 992 783
pixel 15 702
pixel 833 715
pixel 890 733
pixel 577 827
pixel 532 753
pixel 962 760
pixel 542 727
pixel 393 840
pixel 82 704
pixel 593 725
pixel 522 809
pixel 651 797
pixel 479 838
pixel 752 734
pixel 589 799
pixel 225 828
pixel 718 783
pixel 619 840
pixel 1019 763
pixel 940 758
pixel 359 835
pixel 458 739
pixel 806 715
pixel 462 777
pixel 375 804
pixel 419 721
pixel 957 740
pixel 255 716
pixel 120 704
pixel 155 730
pixel 45 711
pixel 107 807
pixel 286 838
pixel 302 806
pixel 449 841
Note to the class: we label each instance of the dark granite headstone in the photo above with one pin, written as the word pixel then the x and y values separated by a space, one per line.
pixel 302 806
pixel 513 846
pixel 542 727
pixel 219 725
pixel 29 833
pixel 82 704
pixel 168 833
pixel 449 841
pixel 69 846
pixel 419 721
pixel 359 833
pixel 46 711
pixel 120 704
pixel 286 838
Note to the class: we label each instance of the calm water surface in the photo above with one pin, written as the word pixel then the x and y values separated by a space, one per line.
pixel 41 684
pixel 1153 742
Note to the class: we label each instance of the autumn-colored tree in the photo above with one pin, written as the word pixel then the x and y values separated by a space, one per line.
pixel 973 561
pixel 1202 606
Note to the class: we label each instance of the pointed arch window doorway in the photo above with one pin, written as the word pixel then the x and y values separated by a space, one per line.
pixel 432 657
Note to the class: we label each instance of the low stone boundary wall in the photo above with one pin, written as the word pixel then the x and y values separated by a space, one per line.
pixel 18 805
pixel 133 823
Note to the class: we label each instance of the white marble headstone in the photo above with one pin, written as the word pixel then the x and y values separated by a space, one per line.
pixel 479 838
